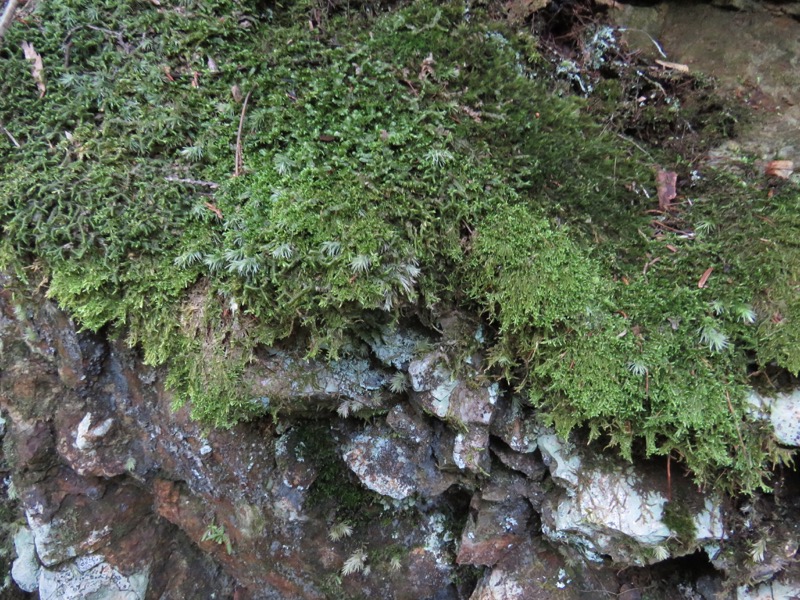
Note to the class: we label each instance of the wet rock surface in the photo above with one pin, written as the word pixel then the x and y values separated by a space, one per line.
pixel 451 491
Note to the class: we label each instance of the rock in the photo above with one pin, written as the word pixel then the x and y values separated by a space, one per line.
pixel 286 382
pixel 80 523
pixel 90 577
pixel 497 529
pixel 87 436
pixel 560 457
pixel 395 346
pixel 393 466
pixel 25 569
pixel 617 510
pixel 783 412
pixel 470 450
pixel 511 426
pixel 528 464
pixel 534 570
pixel 770 591
pixel 468 405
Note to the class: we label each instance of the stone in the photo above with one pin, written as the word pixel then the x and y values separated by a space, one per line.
pixel 87 436
pixel 25 569
pixel 512 426
pixel 770 590
pixel 90 577
pixel 470 450
pixel 395 346
pixel 527 463
pixel 393 466
pixel 617 510
pixel 783 412
pixel 497 528
pixel 468 405
pixel 287 382
pixel 534 570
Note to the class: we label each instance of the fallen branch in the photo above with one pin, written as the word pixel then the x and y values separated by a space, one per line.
pixel 238 167
pixel 8 16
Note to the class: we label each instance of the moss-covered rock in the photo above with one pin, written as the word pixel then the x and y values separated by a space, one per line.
pixel 207 178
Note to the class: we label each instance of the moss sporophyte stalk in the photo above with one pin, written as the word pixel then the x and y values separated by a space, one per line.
pixel 407 163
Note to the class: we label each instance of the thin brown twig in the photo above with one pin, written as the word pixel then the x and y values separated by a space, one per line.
pixel 8 16
pixel 208 184
pixel 238 167
pixel 669 476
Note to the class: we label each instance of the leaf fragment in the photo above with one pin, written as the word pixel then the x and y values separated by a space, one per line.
pixel 666 182
pixel 704 279
pixel 37 66
pixel 780 168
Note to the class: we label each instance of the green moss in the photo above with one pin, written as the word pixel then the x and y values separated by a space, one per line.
pixel 678 517
pixel 406 163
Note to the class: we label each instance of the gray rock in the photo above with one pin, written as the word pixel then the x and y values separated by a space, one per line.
pixel 770 591
pixel 616 509
pixel 289 383
pixel 25 569
pixel 395 346
pixel 90 577
pixel 393 466
pixel 468 405
pixel 783 412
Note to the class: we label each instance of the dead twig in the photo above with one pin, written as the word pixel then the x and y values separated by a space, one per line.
pixel 238 167
pixel 8 16
pixel 208 184
pixel 11 137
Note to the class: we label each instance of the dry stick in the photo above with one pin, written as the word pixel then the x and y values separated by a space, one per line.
pixel 669 476
pixel 11 137
pixel 239 160
pixel 8 16
pixel 208 184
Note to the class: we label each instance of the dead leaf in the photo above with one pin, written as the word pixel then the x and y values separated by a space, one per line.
pixel 196 80
pixel 427 67
pixel 702 283
pixel 214 209
pixel 236 92
pixel 473 114
pixel 37 66
pixel 674 66
pixel 666 182
pixel 780 168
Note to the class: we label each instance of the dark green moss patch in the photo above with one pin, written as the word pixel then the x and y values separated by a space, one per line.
pixel 411 162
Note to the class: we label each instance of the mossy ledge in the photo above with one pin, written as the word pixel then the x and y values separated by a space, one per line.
pixel 410 163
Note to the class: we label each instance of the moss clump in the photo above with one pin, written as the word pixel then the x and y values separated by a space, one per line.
pixel 678 517
pixel 409 162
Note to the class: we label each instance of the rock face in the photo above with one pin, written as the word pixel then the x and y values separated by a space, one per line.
pixel 620 511
pixel 448 490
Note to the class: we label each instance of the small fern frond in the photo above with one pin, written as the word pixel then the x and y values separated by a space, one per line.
pixel 341 530
pixel 357 562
